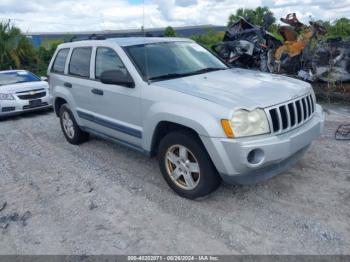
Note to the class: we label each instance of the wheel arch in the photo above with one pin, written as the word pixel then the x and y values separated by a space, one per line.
pixel 58 102
pixel 165 127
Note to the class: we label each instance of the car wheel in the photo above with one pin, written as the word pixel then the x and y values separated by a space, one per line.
pixel 186 165
pixel 70 128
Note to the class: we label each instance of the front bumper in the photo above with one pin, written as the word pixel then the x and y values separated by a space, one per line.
pixel 18 106
pixel 230 156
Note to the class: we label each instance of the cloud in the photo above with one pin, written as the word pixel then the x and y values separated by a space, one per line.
pixel 86 15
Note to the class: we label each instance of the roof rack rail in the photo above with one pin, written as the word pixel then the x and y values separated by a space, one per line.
pixel 96 37
pixel 73 39
pixel 90 37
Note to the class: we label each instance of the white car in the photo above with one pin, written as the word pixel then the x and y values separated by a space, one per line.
pixel 22 91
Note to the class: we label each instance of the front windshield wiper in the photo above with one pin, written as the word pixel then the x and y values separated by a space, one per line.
pixel 178 75
pixel 168 76
pixel 207 70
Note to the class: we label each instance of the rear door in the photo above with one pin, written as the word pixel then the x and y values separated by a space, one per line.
pixel 80 83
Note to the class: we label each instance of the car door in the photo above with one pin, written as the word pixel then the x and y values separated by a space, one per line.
pixel 79 81
pixel 112 110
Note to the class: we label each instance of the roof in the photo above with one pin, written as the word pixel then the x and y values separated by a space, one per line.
pixel 129 41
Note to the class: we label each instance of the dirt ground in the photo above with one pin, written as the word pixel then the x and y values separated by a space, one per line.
pixel 101 198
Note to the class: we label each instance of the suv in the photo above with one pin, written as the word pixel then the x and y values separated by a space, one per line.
pixel 173 98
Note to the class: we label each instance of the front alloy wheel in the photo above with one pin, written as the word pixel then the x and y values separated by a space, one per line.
pixel 186 165
pixel 182 167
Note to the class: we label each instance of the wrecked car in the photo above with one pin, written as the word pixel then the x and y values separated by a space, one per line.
pixel 250 46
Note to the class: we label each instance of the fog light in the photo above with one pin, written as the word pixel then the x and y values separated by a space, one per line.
pixel 256 156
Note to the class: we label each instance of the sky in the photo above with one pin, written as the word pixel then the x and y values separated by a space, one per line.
pixel 94 15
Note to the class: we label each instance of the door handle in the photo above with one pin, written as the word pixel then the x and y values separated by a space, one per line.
pixel 98 92
pixel 66 84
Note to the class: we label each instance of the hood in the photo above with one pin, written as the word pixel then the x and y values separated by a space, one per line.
pixel 239 88
pixel 27 86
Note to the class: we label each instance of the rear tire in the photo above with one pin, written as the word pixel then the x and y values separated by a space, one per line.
pixel 186 165
pixel 70 128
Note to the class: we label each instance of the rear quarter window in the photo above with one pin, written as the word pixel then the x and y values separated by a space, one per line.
pixel 80 62
pixel 60 61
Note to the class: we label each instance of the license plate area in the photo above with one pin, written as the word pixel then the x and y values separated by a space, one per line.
pixel 34 103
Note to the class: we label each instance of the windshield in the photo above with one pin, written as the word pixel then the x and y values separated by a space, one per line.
pixel 10 78
pixel 161 61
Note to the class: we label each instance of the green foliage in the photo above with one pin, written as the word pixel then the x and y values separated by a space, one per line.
pixel 45 53
pixel 339 28
pixel 16 51
pixel 256 15
pixel 169 32
pixel 209 39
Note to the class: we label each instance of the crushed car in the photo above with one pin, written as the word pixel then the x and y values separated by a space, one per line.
pixel 251 46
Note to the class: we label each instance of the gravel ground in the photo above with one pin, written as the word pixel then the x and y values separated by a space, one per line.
pixel 101 198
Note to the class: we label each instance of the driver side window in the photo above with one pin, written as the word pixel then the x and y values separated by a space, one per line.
pixel 107 60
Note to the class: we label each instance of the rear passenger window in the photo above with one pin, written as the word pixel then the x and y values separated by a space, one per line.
pixel 80 62
pixel 60 61
pixel 107 60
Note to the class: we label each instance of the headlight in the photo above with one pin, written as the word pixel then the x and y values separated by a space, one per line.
pixel 246 123
pixel 6 97
pixel 313 95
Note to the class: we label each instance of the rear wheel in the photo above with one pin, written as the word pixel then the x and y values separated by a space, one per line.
pixel 186 166
pixel 70 128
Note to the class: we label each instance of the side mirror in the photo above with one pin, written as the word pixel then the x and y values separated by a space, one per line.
pixel 117 77
pixel 43 78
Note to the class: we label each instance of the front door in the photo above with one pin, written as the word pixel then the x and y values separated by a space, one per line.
pixel 113 110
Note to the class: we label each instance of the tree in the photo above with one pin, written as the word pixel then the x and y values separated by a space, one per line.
pixel 339 28
pixel 169 32
pixel 45 53
pixel 15 49
pixel 209 39
pixel 256 16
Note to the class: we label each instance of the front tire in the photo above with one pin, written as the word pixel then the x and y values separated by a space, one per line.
pixel 70 128
pixel 186 165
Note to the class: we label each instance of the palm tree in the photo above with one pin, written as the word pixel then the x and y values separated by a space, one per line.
pixel 15 49
pixel 256 15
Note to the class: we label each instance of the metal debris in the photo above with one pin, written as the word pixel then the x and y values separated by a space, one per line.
pixel 343 132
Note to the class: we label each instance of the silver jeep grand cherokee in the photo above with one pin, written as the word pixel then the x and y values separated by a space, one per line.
pixel 173 98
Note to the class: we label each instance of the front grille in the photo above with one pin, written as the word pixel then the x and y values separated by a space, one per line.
pixel 291 114
pixel 32 96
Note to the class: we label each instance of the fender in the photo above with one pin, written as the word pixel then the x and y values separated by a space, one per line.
pixel 62 92
pixel 203 123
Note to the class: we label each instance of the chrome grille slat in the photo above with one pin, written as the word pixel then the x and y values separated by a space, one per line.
pixel 312 104
pixel 306 107
pixel 296 114
pixel 280 126
pixel 302 110
pixel 288 116
pixel 280 116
